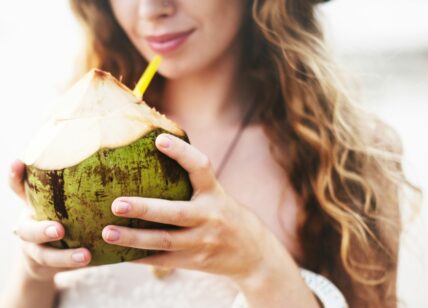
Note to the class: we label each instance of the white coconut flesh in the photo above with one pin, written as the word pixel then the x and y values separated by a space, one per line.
pixel 97 112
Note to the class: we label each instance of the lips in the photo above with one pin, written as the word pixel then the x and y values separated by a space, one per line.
pixel 167 43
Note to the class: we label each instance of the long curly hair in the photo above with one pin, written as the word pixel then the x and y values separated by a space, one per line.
pixel 344 164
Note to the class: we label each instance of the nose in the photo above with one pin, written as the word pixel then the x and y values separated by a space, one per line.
pixel 156 9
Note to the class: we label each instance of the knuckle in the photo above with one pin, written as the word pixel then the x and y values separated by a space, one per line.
pixel 180 214
pixel 37 255
pixel 203 259
pixel 216 220
pixel 166 242
pixel 205 163
pixel 142 210
pixel 210 242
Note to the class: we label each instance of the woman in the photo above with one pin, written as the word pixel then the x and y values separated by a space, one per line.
pixel 287 173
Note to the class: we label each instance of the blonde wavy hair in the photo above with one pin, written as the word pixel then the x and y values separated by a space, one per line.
pixel 344 164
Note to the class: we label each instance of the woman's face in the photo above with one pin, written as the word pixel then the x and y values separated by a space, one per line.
pixel 191 35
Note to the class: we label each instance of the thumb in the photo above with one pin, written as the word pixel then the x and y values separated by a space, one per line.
pixel 191 159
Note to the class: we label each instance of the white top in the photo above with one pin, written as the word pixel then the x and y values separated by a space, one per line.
pixel 133 285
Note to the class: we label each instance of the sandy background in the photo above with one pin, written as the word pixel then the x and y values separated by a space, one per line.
pixel 383 43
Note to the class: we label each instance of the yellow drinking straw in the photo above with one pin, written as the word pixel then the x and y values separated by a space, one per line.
pixel 147 77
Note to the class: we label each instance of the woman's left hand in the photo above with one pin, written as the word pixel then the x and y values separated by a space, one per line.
pixel 219 235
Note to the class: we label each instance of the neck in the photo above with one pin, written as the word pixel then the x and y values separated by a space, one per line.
pixel 205 97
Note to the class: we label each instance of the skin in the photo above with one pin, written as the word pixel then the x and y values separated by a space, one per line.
pixel 231 222
pixel 150 17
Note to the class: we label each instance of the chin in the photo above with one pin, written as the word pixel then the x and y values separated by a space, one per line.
pixel 170 73
pixel 174 69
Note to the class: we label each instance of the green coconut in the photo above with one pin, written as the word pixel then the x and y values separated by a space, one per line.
pixel 99 144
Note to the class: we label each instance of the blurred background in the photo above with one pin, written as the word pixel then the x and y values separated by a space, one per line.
pixel 383 44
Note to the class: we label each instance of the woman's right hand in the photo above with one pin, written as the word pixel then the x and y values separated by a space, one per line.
pixel 43 262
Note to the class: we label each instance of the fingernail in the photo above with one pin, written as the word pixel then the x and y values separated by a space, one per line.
pixel 52 232
pixel 163 141
pixel 112 235
pixel 121 207
pixel 78 257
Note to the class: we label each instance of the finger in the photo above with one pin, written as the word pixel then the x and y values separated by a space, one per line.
pixel 169 240
pixel 16 178
pixel 39 232
pixel 179 213
pixel 192 160
pixel 58 258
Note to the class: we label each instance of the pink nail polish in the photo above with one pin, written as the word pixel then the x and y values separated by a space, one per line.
pixel 121 207
pixel 52 232
pixel 163 141
pixel 112 235
pixel 78 257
